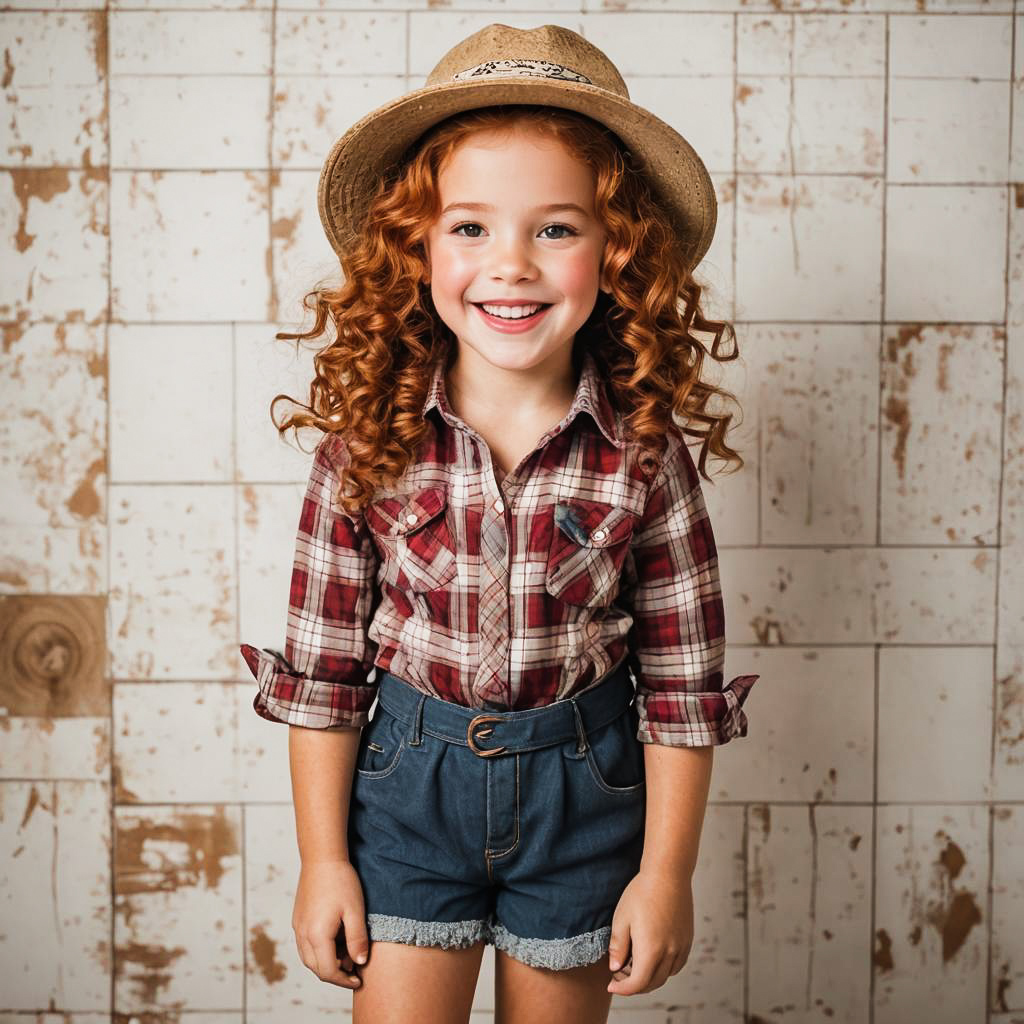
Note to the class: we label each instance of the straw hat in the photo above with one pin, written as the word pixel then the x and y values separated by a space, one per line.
pixel 548 65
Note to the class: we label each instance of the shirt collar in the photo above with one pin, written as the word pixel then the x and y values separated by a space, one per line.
pixel 591 396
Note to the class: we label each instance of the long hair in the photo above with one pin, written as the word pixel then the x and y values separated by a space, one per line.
pixel 371 379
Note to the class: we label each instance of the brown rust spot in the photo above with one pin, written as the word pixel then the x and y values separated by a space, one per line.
pixel 152 967
pixel 42 183
pixel 165 856
pixel 264 954
pixel 85 500
pixel 882 955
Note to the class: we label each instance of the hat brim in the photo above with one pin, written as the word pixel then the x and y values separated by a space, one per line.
pixel 357 161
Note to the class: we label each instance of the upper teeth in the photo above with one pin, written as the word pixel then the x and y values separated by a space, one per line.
pixel 512 312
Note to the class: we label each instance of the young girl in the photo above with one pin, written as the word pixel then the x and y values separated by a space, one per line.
pixel 503 520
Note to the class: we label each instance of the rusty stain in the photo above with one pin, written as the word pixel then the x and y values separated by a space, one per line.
pixel 961 913
pixel 166 856
pixel 34 801
pixel 8 68
pixel 882 955
pixel 1003 983
pixel 264 955
pixel 98 31
pixel 122 794
pixel 1009 719
pixel 250 506
pixel 153 962
pixel 85 501
pixel 42 183
pixel 284 229
pixel 897 409
pixel 945 350
pixel 767 631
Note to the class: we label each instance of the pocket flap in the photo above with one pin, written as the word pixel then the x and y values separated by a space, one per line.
pixel 594 524
pixel 402 514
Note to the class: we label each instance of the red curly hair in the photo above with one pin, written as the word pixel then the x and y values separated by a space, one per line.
pixel 371 380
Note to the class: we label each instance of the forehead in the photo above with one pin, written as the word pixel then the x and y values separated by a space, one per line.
pixel 515 168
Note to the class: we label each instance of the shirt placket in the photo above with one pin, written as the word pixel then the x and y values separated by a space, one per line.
pixel 491 682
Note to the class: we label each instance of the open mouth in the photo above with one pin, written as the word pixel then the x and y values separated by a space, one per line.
pixel 508 321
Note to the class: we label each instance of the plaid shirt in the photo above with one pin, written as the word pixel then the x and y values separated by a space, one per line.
pixel 510 595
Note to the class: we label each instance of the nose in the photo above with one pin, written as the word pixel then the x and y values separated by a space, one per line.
pixel 512 260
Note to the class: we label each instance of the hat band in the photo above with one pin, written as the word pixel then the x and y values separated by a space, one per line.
pixel 523 66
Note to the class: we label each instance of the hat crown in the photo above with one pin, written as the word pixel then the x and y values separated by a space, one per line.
pixel 549 51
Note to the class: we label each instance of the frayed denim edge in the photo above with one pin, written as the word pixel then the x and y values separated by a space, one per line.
pixel 555 954
pixel 447 934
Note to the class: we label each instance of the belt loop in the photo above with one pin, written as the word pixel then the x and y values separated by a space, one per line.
pixel 417 721
pixel 581 732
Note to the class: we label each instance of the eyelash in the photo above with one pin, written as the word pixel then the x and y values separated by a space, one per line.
pixel 469 223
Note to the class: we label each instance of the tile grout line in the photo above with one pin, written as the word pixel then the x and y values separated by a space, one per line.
pixel 1009 192
pixel 107 617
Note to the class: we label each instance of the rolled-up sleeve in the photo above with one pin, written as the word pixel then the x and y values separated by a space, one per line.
pixel 320 680
pixel 677 638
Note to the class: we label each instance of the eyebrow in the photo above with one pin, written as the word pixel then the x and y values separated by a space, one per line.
pixel 550 208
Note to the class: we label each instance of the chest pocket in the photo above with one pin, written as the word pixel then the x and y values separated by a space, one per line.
pixel 589 544
pixel 414 539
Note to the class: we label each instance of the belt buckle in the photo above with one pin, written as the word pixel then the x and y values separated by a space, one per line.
pixel 471 739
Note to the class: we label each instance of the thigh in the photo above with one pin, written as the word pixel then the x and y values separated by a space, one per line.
pixel 425 984
pixel 537 995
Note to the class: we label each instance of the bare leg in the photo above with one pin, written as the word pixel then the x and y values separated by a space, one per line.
pixel 535 995
pixel 427 984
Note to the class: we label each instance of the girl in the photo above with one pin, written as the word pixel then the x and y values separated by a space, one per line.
pixel 503 519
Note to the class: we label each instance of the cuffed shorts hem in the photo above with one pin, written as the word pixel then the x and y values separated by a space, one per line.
pixel 554 954
pixel 447 934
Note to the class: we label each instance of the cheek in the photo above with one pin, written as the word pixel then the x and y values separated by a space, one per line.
pixel 450 270
pixel 581 274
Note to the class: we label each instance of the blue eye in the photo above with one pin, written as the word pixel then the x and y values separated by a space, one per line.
pixel 563 227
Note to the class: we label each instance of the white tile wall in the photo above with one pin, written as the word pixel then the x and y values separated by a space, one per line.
pixel 861 855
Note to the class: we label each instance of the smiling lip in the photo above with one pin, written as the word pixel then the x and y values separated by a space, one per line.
pixel 511 326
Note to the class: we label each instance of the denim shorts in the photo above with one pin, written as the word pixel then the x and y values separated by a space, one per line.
pixel 521 828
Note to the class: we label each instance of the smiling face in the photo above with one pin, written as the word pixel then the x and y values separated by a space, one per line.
pixel 532 237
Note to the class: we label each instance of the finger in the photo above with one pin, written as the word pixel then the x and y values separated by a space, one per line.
pixel 329 968
pixel 638 980
pixel 347 963
pixel 618 947
pixel 353 933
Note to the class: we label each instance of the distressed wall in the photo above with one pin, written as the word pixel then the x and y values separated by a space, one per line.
pixel 861 859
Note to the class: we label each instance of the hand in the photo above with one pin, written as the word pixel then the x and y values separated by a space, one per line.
pixel 652 932
pixel 329 921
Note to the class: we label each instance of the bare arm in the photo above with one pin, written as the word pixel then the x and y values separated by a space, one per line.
pixel 678 782
pixel 329 918
pixel 654 918
pixel 322 763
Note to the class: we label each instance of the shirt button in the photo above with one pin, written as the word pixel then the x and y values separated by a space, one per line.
pixel 411 518
pixel 599 534
pixel 499 506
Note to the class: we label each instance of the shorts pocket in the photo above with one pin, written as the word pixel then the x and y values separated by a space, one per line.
pixel 414 539
pixel 615 757
pixel 380 745
pixel 590 541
